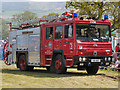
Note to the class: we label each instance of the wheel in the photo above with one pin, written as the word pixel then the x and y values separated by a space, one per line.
pixel 22 63
pixel 92 70
pixel 6 53
pixel 59 64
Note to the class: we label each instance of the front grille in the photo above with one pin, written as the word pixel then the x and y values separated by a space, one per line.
pixel 94 47
pixel 101 53
pixel 88 53
pixel 95 53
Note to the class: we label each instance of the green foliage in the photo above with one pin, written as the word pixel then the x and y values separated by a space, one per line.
pixel 0 28
pixel 5 30
pixel 97 10
pixel 114 13
pixel 50 14
pixel 26 15
pixel 16 18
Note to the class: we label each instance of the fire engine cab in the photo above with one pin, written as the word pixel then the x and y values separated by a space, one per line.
pixel 60 42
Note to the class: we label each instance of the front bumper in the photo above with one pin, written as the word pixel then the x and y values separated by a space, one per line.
pixel 88 60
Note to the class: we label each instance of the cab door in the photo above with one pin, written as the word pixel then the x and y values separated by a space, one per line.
pixel 68 43
pixel 58 39
pixel 48 40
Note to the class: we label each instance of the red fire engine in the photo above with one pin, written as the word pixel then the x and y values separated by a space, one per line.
pixel 60 42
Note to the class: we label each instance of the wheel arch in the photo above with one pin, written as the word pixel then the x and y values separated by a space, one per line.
pixel 58 55
pixel 56 52
pixel 18 54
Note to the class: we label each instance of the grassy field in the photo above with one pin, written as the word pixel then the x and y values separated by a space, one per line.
pixel 40 78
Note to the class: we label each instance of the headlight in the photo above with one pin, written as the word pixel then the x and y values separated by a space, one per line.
pixel 105 59
pixel 80 47
pixel 80 59
pixel 84 59
pixel 109 58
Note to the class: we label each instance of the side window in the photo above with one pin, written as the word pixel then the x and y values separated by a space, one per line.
pixel 68 31
pixel 49 33
pixel 58 32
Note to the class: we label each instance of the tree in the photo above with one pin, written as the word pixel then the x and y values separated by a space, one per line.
pixel 97 10
pixel 5 30
pixel 50 14
pixel 0 28
pixel 26 15
pixel 17 18
pixel 114 13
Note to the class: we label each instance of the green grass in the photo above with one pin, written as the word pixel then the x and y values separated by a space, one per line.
pixel 40 78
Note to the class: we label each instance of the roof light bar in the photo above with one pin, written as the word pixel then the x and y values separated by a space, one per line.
pixel 75 14
pixel 105 16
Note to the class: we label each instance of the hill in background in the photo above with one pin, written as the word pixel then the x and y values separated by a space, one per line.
pixel 39 8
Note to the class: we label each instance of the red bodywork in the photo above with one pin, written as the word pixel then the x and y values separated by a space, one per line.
pixel 68 47
pixel 71 48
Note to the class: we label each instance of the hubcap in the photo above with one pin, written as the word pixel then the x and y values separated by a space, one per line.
pixel 22 63
pixel 58 64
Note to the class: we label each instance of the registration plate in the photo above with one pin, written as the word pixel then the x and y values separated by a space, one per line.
pixel 95 60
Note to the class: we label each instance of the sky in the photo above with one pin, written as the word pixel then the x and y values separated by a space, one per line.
pixel 49 0
pixel 34 0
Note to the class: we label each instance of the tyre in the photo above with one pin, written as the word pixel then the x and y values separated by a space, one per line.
pixel 59 64
pixel 22 63
pixel 92 70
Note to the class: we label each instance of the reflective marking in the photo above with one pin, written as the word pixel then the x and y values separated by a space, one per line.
pixel 48 59
pixel 67 66
pixel 107 50
pixel 35 64
pixel 69 59
pixel 47 65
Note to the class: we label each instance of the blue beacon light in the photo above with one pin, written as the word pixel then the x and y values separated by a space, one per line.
pixel 75 14
pixel 105 16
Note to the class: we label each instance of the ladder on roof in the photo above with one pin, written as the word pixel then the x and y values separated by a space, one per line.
pixel 35 22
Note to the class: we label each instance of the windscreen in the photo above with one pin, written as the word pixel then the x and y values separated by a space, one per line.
pixel 92 32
